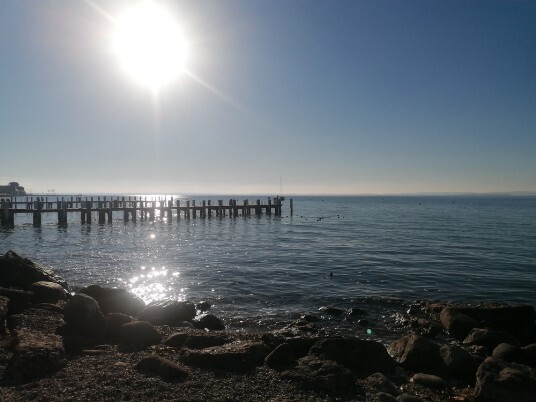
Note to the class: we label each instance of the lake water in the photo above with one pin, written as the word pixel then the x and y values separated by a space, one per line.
pixel 476 249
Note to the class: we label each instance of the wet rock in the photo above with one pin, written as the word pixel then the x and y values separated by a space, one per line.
pixel 35 355
pixel 168 312
pixel 356 312
pixel 417 353
pixel 139 333
pixel 281 356
pixel 498 381
pixel 203 306
pixel 113 300
pixel 237 357
pixel 47 292
pixel 380 382
pixel 19 300
pixel 331 310
pixel 457 323
pixel 310 318
pixel 489 338
pixel 515 354
pixel 363 357
pixel 313 373
pixel 83 316
pixel 208 321
pixel 16 271
pixel 201 341
pixel 115 321
pixel 429 381
pixel 162 367
pixel 458 362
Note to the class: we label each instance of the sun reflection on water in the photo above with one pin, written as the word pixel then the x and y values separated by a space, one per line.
pixel 152 283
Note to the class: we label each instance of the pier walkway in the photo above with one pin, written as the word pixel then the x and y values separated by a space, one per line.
pixel 132 208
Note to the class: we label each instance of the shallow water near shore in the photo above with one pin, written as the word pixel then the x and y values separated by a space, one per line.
pixel 268 268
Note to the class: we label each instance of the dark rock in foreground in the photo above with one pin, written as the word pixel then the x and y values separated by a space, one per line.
pixel 113 300
pixel 16 271
pixel 83 316
pixel 139 333
pixel 162 367
pixel 168 312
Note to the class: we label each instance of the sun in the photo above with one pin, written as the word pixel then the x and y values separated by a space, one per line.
pixel 150 45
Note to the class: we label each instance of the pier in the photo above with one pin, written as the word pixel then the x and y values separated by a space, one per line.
pixel 131 208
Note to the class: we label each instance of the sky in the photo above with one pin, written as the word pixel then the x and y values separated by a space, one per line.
pixel 307 97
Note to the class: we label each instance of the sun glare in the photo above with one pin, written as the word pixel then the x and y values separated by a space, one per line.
pixel 150 45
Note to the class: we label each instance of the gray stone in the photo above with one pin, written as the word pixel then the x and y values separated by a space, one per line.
pixel 204 340
pixel 328 376
pixel 19 300
pixel 83 316
pixel 208 321
pixel 35 355
pixel 499 381
pixel 281 356
pixel 176 340
pixel 429 381
pixel 162 367
pixel 47 292
pixel 113 300
pixel 416 353
pixel 508 352
pixel 16 271
pixel 114 323
pixel 458 362
pixel 489 337
pixel 380 382
pixel 168 312
pixel 139 333
pixel 363 357
pixel 457 323
pixel 237 357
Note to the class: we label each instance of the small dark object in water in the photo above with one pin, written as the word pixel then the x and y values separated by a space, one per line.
pixel 331 274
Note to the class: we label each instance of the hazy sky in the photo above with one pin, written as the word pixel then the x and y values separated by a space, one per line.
pixel 342 97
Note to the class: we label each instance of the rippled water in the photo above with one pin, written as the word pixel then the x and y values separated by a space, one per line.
pixel 439 248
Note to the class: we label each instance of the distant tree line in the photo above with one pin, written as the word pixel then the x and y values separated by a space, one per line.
pixel 13 189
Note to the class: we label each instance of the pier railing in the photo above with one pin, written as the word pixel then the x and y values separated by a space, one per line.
pixel 132 208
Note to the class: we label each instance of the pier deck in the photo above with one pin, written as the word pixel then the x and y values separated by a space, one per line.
pixel 132 208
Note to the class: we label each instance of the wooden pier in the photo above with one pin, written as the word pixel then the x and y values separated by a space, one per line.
pixel 131 208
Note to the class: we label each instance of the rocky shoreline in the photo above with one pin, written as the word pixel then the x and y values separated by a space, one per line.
pixel 106 344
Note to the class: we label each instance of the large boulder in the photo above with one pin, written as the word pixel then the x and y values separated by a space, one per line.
pixel 47 292
pixel 169 312
pixel 363 357
pixel 35 355
pixel 19 300
pixel 498 381
pixel 83 316
pixel 489 337
pixel 458 362
pixel 237 357
pixel 419 354
pixel 208 321
pixel 113 300
pixel 16 271
pixel 139 333
pixel 457 323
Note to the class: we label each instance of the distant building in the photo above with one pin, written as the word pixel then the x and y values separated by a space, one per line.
pixel 12 189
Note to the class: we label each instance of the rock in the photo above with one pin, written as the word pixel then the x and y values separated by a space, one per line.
pixel 39 321
pixel 458 362
pixel 168 312
pixel 208 321
pixel 35 355
pixel 507 352
pixel 3 314
pixel 237 357
pixel 457 323
pixel 429 381
pixel 380 382
pixel 498 381
pixel 176 340
pixel 113 300
pixel 204 340
pixel 139 333
pixel 19 272
pixel 383 397
pixel 115 321
pixel 408 398
pixel 529 354
pixel 416 353
pixel 489 338
pixel 363 357
pixel 203 306
pixel 281 356
pixel 164 368
pixel 327 376
pixel 356 312
pixel 47 292
pixel 83 316
pixel 331 310
pixel 19 300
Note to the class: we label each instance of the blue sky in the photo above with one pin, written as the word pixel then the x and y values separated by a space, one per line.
pixel 335 97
